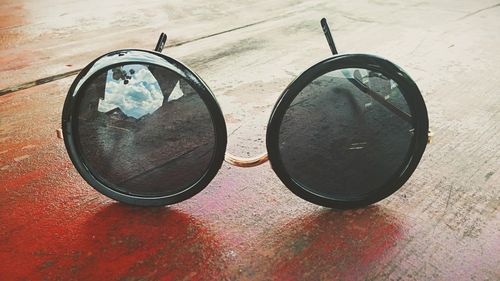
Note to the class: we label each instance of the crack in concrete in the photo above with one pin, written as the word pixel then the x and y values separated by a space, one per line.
pixel 59 76
pixel 479 11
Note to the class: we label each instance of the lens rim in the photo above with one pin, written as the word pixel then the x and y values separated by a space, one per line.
pixel 365 61
pixel 72 141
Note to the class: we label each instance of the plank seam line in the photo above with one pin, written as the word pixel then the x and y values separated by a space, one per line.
pixel 479 11
pixel 60 76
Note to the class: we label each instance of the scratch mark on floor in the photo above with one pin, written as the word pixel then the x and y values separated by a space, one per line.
pixel 478 11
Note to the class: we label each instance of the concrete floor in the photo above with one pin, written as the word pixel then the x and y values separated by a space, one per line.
pixel 443 224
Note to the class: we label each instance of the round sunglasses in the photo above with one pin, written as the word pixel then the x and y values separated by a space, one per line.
pixel 142 128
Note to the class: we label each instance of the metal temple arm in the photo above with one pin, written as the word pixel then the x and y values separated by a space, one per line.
pixel 356 81
pixel 161 42
pixel 328 35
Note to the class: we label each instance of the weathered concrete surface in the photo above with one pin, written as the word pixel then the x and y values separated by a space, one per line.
pixel 444 224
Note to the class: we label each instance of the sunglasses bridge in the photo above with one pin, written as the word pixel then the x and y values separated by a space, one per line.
pixel 246 162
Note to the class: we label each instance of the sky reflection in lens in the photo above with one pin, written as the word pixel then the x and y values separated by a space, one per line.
pixel 144 130
pixel 134 90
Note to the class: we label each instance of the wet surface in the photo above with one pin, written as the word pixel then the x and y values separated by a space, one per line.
pixel 444 224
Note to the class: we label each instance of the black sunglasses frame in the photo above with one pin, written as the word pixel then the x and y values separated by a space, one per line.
pixel 408 88
pixel 414 100
pixel 72 140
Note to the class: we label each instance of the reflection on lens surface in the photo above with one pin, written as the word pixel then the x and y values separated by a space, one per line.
pixel 340 141
pixel 144 130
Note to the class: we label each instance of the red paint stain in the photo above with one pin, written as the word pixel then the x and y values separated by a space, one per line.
pixel 113 242
pixel 325 245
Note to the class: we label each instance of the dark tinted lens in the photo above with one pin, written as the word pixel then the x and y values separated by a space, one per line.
pixel 346 134
pixel 144 130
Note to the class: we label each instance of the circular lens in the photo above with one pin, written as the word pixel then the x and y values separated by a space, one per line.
pixel 143 130
pixel 347 134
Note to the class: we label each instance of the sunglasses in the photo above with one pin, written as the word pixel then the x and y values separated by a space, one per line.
pixel 142 128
